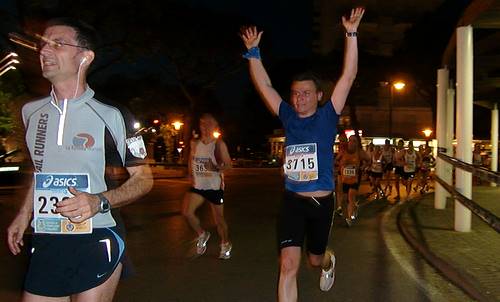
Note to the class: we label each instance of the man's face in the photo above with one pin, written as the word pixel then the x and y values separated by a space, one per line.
pixel 207 126
pixel 305 97
pixel 60 62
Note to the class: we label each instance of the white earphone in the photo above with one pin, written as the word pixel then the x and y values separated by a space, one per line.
pixel 83 60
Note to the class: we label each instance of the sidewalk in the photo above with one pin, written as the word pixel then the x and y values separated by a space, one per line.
pixel 469 260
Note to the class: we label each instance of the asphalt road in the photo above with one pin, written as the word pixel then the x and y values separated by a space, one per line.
pixel 160 245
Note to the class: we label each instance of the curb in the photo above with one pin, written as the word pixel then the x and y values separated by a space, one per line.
pixel 443 267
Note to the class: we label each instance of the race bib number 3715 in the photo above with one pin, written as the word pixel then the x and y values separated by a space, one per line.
pixel 301 162
pixel 51 188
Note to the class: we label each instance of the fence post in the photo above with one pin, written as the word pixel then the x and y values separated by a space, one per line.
pixel 450 133
pixel 464 123
pixel 494 141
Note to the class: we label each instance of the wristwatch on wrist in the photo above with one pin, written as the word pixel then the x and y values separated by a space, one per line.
pixel 104 205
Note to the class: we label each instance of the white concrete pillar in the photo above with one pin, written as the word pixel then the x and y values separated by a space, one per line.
pixel 464 123
pixel 450 119
pixel 442 89
pixel 494 140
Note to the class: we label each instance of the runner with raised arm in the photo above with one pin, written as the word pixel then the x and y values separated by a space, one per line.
pixel 308 201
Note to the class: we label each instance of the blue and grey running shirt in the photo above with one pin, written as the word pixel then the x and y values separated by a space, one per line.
pixel 82 135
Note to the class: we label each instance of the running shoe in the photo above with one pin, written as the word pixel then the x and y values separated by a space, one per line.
pixel 339 212
pixel 348 222
pixel 328 276
pixel 201 243
pixel 225 250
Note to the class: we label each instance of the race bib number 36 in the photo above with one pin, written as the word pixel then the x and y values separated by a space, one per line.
pixel 301 162
pixel 51 188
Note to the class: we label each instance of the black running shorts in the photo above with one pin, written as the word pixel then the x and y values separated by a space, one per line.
pixel 399 171
pixel 214 196
pixel 346 187
pixel 408 175
pixel 302 217
pixel 388 167
pixel 62 265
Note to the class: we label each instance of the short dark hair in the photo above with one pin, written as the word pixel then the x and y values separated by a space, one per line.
pixel 208 115
pixel 86 35
pixel 308 76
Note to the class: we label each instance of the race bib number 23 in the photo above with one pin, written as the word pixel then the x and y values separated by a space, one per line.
pixel 301 162
pixel 51 188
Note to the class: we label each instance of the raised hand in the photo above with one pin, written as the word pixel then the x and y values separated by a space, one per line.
pixel 351 24
pixel 250 36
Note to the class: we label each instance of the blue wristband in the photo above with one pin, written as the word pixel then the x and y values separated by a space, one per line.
pixel 253 52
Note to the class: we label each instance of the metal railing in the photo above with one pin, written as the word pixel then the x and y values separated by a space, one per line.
pixel 491 219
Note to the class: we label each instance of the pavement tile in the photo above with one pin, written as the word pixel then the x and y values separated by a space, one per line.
pixel 475 254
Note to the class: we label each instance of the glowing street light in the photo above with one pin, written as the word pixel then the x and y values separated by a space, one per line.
pixel 177 125
pixel 137 125
pixel 399 85
pixel 216 134
pixel 427 133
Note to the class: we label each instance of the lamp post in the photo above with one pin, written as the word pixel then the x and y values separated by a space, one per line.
pixel 177 139
pixel 398 86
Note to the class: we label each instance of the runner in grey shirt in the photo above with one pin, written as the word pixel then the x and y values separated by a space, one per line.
pixel 76 143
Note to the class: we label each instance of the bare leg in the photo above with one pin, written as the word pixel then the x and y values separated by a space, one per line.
pixel 29 297
pixel 102 293
pixel 218 215
pixel 320 260
pixel 190 204
pixel 352 203
pixel 289 266
pixel 398 179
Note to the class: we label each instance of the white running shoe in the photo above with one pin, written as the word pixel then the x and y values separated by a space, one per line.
pixel 328 277
pixel 201 243
pixel 225 250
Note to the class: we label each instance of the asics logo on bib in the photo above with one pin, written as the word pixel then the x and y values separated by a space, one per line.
pixel 58 181
pixel 303 149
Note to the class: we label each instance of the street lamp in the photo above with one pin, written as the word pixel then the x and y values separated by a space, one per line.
pixel 216 134
pixel 177 125
pixel 427 133
pixel 398 85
